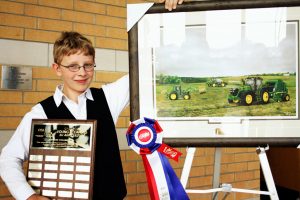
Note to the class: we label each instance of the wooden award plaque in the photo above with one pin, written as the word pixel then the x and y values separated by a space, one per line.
pixel 61 158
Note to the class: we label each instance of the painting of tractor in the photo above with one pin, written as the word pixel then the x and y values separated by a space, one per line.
pixel 178 93
pixel 254 90
pixel 216 82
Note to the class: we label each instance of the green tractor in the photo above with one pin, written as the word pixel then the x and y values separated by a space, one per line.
pixel 216 82
pixel 255 91
pixel 178 93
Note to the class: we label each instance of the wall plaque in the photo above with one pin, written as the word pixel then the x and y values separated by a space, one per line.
pixel 61 158
pixel 16 77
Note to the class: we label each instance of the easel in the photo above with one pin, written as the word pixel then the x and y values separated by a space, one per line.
pixel 227 188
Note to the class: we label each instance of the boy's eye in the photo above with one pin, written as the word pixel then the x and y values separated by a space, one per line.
pixel 74 67
pixel 88 66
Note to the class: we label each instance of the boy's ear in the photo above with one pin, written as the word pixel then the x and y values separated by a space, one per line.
pixel 57 69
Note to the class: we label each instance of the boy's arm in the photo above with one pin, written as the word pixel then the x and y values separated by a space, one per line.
pixel 117 96
pixel 12 174
pixel 11 163
pixel 13 156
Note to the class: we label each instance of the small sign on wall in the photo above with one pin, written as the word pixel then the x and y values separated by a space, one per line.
pixel 16 78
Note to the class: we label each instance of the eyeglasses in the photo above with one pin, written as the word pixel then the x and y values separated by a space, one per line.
pixel 76 67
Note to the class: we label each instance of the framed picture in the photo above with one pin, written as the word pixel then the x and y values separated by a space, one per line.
pixel 61 157
pixel 217 73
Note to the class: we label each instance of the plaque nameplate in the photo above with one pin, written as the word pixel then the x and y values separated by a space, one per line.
pixel 61 158
pixel 16 78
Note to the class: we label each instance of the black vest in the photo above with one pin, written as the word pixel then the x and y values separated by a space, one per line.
pixel 108 175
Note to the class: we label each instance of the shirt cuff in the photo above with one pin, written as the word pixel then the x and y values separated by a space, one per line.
pixel 22 192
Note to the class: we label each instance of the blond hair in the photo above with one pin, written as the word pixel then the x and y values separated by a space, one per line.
pixel 70 43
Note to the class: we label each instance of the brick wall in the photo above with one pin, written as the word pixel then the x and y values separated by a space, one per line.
pixel 104 22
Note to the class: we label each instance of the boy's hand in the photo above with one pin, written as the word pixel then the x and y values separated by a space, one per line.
pixel 37 197
pixel 171 4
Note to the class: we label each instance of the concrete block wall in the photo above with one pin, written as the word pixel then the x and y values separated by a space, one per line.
pixel 28 29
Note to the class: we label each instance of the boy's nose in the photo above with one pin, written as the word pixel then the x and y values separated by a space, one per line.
pixel 82 70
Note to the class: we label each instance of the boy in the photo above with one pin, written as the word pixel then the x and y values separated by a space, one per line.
pixel 74 62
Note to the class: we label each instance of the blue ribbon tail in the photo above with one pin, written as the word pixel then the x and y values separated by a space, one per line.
pixel 176 190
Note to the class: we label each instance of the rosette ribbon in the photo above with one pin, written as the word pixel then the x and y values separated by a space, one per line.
pixel 144 136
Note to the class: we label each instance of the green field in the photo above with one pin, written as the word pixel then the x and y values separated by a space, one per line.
pixel 212 101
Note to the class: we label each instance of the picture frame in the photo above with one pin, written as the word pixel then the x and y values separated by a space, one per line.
pixel 153 45
pixel 61 158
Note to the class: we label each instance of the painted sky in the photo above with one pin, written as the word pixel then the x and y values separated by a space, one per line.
pixel 196 57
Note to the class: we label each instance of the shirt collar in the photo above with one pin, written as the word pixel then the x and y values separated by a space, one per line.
pixel 59 95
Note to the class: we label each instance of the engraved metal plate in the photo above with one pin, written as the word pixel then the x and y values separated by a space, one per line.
pixel 16 77
pixel 61 158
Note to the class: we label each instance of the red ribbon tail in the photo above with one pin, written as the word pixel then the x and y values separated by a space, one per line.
pixel 151 181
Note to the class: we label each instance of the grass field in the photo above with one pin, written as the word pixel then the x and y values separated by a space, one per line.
pixel 212 101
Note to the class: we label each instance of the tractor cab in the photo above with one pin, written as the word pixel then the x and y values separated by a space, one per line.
pixel 177 88
pixel 253 82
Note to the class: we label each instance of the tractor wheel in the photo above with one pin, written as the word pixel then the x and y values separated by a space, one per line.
pixel 186 96
pixel 286 97
pixel 265 96
pixel 247 99
pixel 173 96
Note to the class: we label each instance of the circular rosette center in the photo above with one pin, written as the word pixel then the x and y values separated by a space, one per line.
pixel 144 136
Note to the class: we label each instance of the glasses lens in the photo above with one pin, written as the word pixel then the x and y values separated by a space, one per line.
pixel 89 67
pixel 74 68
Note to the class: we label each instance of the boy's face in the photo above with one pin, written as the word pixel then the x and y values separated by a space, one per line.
pixel 75 83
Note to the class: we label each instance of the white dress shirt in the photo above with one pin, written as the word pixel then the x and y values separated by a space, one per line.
pixel 16 150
